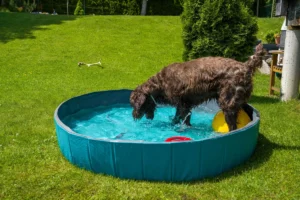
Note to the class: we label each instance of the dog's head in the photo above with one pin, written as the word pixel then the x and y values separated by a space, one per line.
pixel 260 52
pixel 142 105
pixel 257 58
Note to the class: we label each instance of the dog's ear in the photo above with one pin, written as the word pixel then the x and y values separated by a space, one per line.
pixel 137 99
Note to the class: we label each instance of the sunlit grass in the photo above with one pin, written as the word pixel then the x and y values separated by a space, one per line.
pixel 267 25
pixel 39 56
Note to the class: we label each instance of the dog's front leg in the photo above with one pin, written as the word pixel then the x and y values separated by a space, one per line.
pixel 150 114
pixel 186 116
pixel 182 114
pixel 249 110
pixel 176 119
pixel 231 119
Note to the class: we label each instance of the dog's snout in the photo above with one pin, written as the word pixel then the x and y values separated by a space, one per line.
pixel 150 115
pixel 136 115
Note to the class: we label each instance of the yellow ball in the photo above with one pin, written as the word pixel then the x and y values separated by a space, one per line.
pixel 219 124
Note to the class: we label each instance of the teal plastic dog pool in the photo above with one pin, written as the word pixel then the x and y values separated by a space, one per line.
pixel 122 151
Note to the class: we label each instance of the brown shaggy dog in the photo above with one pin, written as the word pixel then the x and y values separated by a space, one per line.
pixel 186 85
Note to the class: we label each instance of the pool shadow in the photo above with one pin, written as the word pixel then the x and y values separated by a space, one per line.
pixel 263 151
pixel 22 25
pixel 264 99
pixel 267 99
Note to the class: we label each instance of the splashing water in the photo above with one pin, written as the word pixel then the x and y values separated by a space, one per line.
pixel 116 122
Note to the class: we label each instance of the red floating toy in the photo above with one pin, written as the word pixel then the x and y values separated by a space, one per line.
pixel 177 139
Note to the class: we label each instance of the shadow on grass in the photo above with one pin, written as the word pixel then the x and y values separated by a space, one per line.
pixel 261 155
pixel 21 25
pixel 264 99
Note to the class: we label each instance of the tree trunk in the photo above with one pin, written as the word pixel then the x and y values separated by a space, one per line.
pixel 2 2
pixel 257 8
pixel 68 7
pixel 144 7
pixel 83 7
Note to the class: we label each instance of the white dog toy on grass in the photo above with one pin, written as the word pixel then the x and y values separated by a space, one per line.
pixel 92 64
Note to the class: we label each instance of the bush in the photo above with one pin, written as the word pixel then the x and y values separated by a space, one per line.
pixel 4 9
pixel 133 7
pixel 114 7
pixel 25 6
pixel 109 7
pixel 79 10
pixel 166 7
pixel 29 7
pixel 218 28
pixel 12 6
pixel 270 36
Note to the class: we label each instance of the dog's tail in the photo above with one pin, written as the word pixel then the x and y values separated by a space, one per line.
pixel 255 61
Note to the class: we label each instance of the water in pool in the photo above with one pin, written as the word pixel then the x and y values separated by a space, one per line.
pixel 116 122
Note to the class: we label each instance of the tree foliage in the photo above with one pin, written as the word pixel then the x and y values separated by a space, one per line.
pixel 218 28
pixel 114 7
pixel 119 7
pixel 106 7
pixel 21 5
pixel 28 6
pixel 165 7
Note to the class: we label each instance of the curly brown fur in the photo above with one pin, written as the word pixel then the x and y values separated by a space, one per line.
pixel 186 85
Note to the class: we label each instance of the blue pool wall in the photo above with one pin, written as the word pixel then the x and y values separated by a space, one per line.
pixel 155 161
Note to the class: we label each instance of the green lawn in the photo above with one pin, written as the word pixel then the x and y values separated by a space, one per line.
pixel 38 70
pixel 268 25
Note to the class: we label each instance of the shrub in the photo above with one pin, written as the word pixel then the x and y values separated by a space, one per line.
pixel 79 9
pixel 4 9
pixel 270 36
pixel 29 7
pixel 12 5
pixel 21 6
pixel 218 28
pixel 132 7
pixel 109 7
pixel 166 7
pixel 114 7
